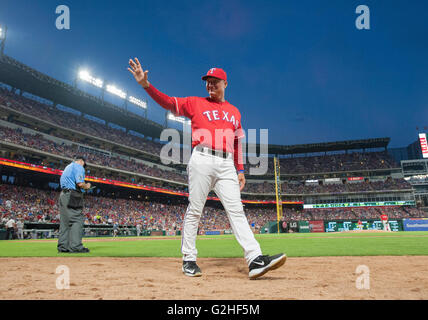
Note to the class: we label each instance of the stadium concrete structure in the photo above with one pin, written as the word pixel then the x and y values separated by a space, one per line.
pixel 30 109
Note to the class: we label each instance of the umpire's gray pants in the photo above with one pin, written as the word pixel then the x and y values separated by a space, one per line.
pixel 70 226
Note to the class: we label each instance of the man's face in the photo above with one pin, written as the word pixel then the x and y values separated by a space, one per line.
pixel 216 87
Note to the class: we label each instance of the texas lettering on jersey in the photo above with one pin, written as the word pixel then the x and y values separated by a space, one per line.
pixel 217 120
pixel 214 115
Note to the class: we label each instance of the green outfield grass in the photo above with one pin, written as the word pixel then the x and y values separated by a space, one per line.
pixel 225 246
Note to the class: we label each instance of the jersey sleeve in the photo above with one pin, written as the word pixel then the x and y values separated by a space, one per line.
pixel 239 132
pixel 237 155
pixel 184 107
pixel 178 106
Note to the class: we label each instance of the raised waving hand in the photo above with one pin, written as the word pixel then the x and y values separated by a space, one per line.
pixel 139 74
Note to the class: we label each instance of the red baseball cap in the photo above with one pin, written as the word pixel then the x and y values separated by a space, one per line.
pixel 216 73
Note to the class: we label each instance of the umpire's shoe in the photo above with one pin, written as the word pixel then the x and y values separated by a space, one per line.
pixel 191 269
pixel 83 250
pixel 262 264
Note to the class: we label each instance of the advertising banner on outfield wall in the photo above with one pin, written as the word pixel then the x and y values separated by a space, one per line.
pixel 359 204
pixel 316 226
pixel 293 226
pixel 415 224
pixel 341 226
pixel 395 225
pixel 212 232
pixel 304 226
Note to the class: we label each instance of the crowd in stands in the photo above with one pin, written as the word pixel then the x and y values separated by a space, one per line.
pixel 29 204
pixel 394 212
pixel 333 163
pixel 35 205
pixel 302 188
pixel 388 184
pixel 338 162
pixel 71 121
pixel 347 213
pixel 37 141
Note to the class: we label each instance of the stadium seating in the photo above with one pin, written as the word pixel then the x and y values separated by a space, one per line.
pixel 38 142
pixel 301 188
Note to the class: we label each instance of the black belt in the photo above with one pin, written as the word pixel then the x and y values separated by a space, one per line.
pixel 217 153
pixel 66 190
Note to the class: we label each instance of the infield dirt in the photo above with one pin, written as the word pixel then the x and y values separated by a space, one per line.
pixel 390 277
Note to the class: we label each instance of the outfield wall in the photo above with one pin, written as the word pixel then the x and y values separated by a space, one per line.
pixel 415 224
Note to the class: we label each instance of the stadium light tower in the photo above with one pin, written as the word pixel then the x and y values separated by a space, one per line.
pixel 3 32
pixel 86 76
pixel 139 103
pixel 170 116
pixel 116 91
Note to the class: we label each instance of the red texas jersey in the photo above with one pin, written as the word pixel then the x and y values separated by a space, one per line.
pixel 214 124
pixel 384 217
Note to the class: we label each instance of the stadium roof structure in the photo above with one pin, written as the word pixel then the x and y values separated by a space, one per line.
pixel 329 146
pixel 21 76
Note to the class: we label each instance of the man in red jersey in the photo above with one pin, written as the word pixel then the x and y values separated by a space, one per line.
pixel 216 156
pixel 360 225
pixel 385 222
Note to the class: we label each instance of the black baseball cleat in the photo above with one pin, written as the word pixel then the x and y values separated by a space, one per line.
pixel 63 250
pixel 191 269
pixel 83 250
pixel 262 264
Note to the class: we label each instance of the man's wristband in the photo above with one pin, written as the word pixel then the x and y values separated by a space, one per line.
pixel 241 171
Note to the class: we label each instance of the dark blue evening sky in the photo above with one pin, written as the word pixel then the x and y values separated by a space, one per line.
pixel 299 68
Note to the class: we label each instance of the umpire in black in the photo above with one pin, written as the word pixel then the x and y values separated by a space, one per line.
pixel 71 206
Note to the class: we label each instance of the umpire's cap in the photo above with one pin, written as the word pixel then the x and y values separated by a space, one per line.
pixel 81 158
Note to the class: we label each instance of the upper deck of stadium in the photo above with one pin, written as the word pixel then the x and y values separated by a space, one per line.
pixel 18 75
